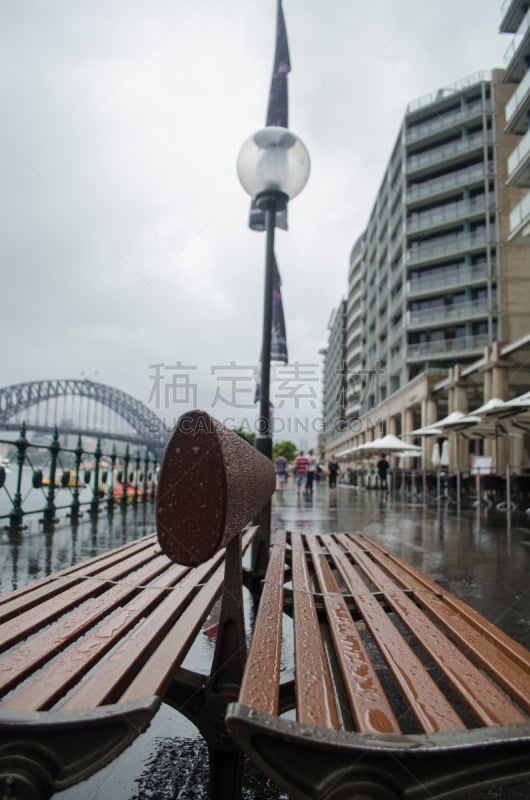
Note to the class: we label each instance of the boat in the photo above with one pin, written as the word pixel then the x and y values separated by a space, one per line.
pixel 117 492
pixel 66 484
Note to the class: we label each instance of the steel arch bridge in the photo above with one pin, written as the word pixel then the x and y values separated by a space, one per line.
pixel 19 397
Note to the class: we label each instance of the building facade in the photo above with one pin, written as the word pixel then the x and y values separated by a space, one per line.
pixel 516 21
pixel 437 279
pixel 334 386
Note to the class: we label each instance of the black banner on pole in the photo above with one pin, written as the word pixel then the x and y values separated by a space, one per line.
pixel 277 111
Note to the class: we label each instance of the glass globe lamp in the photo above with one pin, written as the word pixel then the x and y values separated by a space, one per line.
pixel 273 161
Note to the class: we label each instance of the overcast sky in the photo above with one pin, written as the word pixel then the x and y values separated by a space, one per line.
pixel 125 241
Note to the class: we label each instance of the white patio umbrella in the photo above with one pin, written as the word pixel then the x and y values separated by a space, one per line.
pixel 387 444
pixel 516 410
pixel 426 431
pixel 457 422
pixel 521 401
pixel 410 454
pixel 503 417
pixel 494 419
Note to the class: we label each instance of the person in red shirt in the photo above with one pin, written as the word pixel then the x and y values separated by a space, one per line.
pixel 301 464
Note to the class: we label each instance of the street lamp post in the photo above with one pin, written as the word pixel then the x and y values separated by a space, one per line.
pixel 273 167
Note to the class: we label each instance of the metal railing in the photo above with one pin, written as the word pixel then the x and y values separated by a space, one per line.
pixel 520 213
pixel 436 314
pixel 43 479
pixel 514 45
pixel 449 213
pixel 448 91
pixel 438 154
pixel 519 155
pixel 451 276
pixel 447 245
pixel 435 186
pixel 443 347
pixel 448 120
pixel 517 98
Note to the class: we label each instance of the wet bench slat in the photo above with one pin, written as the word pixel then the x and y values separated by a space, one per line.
pixel 487 703
pixel 426 701
pixel 50 684
pixel 48 643
pixel 453 610
pixel 66 595
pixel 368 702
pixel 391 644
pixel 29 597
pixel 315 702
pixel 260 690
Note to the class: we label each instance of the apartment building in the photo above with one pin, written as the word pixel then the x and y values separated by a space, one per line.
pixel 516 21
pixel 334 374
pixel 435 279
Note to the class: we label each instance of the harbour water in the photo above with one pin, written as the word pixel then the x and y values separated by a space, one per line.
pixel 481 557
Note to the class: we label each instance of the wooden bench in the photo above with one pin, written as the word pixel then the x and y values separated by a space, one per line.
pixel 88 654
pixel 396 689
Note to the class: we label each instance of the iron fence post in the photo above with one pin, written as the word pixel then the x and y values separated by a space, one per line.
pixel 49 509
pixel 153 481
pixel 94 506
pixel 76 505
pixel 136 476
pixel 110 489
pixel 145 482
pixel 126 461
pixel 15 518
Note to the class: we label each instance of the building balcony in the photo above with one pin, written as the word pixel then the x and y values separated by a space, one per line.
pixel 396 303
pixel 452 277
pixel 396 333
pixel 395 364
pixel 448 214
pixel 358 249
pixel 512 12
pixel 517 108
pixel 448 152
pixel 448 91
pixel 514 57
pixel 354 310
pixel 520 222
pixel 427 317
pixel 446 185
pixel 444 122
pixel 519 163
pixel 462 346
pixel 447 246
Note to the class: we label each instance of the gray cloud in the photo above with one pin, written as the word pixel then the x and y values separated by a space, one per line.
pixel 124 230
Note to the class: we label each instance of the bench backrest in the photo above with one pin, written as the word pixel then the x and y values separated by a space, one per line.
pixel 212 482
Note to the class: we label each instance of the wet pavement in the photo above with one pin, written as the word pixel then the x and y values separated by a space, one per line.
pixel 482 557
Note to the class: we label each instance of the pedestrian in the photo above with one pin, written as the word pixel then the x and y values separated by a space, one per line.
pixel 333 472
pixel 382 469
pixel 311 471
pixel 280 466
pixel 301 463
